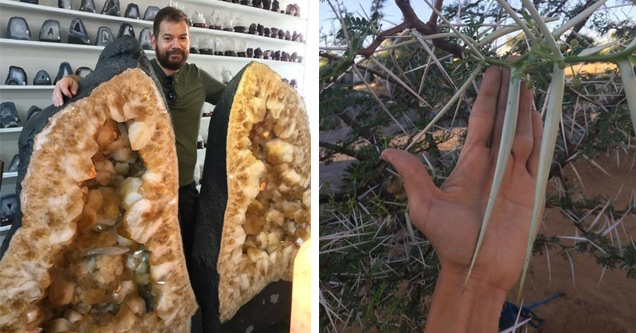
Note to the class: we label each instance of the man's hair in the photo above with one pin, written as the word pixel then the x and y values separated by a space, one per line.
pixel 169 14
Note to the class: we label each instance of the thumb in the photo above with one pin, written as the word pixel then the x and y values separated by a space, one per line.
pixel 417 183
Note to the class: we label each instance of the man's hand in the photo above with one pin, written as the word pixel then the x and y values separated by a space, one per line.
pixel 67 86
pixel 451 216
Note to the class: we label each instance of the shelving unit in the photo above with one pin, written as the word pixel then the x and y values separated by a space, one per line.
pixel 34 55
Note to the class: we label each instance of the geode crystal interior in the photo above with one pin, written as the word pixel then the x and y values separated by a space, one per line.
pixel 18 28
pixel 77 33
pixel 145 39
pixel 255 194
pixel 64 70
pixel 42 78
pixel 16 76
pixel 132 11
pixel 50 31
pixel 9 115
pixel 150 13
pixel 88 6
pixel 97 246
pixel 125 29
pixel 104 36
pixel 111 7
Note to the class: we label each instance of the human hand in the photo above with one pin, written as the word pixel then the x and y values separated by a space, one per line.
pixel 451 216
pixel 67 86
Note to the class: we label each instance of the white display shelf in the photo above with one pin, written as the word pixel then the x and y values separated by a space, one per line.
pixel 7 175
pixel 53 11
pixel 11 130
pixel 234 7
pixel 57 12
pixel 27 87
pixel 48 47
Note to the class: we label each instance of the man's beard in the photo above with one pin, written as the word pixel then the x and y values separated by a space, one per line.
pixel 164 59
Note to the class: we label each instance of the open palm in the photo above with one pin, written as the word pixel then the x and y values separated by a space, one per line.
pixel 451 216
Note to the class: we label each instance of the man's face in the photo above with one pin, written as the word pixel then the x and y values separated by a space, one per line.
pixel 172 45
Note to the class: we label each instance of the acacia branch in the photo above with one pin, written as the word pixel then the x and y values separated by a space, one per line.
pixel 411 21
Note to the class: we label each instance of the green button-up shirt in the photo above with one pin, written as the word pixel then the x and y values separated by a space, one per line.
pixel 192 86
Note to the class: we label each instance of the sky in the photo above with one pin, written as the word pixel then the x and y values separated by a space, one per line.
pixel 393 15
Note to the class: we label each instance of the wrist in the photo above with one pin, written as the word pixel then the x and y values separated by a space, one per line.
pixel 477 309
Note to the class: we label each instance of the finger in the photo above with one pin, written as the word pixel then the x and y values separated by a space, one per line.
pixel 417 183
pixel 522 143
pixel 502 99
pixel 74 87
pixel 57 97
pixel 537 134
pixel 482 116
pixel 65 90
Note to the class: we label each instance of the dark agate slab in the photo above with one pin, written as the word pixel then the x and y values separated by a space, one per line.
pixel 33 110
pixel 104 36
pixel 281 34
pixel 276 55
pixel 111 7
pixel 260 29
pixel 18 28
pixel 230 53
pixel 267 4
pixel 83 72
pixel 145 37
pixel 267 54
pixel 257 3
pixel 88 6
pixel 273 32
pixel 240 29
pixel 285 56
pixel 65 69
pixel 50 31
pixel 293 83
pixel 218 53
pixel 9 115
pixel 9 206
pixel 15 162
pixel 241 54
pixel 132 11
pixel 288 35
pixel 17 76
pixel 125 29
pixel 42 78
pixel 249 52
pixel 150 13
pixel 275 6
pixel 246 2
pixel 33 2
pixel 252 29
pixel 258 53
pixel 77 33
pixel 266 32
pixel 65 4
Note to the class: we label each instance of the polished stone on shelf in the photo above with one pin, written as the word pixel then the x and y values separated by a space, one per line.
pixel 9 206
pixel 276 55
pixel 50 31
pixel 65 69
pixel 125 29
pixel 281 34
pixel 150 13
pixel 273 32
pixel 252 29
pixel 15 163
pixel 266 32
pixel 132 11
pixel 33 110
pixel 285 56
pixel 261 29
pixel 18 28
pixel 250 52
pixel 267 4
pixel 33 2
pixel 294 57
pixel 83 72
pixel 257 3
pixel 65 4
pixel 42 78
pixel 275 6
pixel 288 35
pixel 145 37
pixel 104 36
pixel 258 53
pixel 88 6
pixel 111 7
pixel 246 2
pixel 17 76
pixel 9 115
pixel 77 33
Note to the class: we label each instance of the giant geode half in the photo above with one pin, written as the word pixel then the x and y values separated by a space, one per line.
pixel 96 245
pixel 255 196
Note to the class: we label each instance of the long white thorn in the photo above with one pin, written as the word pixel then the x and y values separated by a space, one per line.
pixel 507 137
pixel 629 86
pixel 546 154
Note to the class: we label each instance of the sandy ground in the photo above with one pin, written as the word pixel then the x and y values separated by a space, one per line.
pixel 588 306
